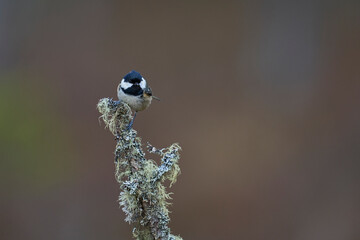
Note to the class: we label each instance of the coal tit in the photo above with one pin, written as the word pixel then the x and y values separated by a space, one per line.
pixel 134 90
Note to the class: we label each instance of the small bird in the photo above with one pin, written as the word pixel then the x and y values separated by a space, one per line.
pixel 134 90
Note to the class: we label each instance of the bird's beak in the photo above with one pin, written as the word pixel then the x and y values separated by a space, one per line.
pixel 156 98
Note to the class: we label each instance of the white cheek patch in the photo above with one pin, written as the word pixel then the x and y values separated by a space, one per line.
pixel 124 84
pixel 143 83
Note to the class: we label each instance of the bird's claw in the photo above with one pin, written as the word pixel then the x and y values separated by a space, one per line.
pixel 131 123
pixel 129 126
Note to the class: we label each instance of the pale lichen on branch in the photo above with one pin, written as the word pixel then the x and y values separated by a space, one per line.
pixel 143 196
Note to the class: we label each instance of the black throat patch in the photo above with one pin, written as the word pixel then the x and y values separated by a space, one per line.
pixel 134 90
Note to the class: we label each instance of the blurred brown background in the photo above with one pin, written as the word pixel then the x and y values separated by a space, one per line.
pixel 263 96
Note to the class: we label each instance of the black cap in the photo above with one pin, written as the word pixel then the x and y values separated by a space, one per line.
pixel 133 77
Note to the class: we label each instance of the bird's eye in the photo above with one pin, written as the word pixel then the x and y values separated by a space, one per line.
pixel 135 80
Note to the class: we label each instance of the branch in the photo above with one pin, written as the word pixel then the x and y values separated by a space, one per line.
pixel 143 196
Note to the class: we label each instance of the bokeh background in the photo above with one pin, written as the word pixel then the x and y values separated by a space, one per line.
pixel 263 96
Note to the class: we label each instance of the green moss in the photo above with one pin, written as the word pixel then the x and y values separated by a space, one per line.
pixel 143 197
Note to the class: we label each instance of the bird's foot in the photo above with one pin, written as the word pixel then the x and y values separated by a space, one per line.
pixel 131 123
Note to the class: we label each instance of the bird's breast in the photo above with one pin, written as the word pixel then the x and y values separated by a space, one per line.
pixel 136 103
